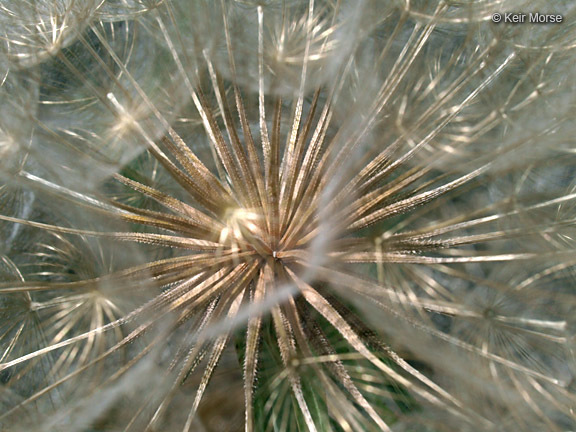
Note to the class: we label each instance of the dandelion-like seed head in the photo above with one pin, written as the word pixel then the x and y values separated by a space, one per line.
pixel 365 208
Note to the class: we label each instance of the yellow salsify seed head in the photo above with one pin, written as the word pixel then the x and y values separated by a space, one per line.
pixel 286 215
